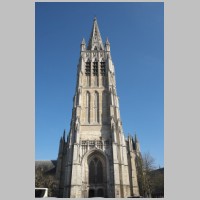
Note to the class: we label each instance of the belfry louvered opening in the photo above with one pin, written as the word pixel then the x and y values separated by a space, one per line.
pixel 95 68
pixel 88 68
pixel 103 68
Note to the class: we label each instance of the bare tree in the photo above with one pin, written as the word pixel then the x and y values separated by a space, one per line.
pixel 145 164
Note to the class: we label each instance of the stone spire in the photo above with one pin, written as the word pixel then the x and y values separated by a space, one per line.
pixel 83 41
pixel 137 144
pixel 136 140
pixel 96 134
pixel 107 45
pixel 64 135
pixel 107 41
pixel 95 41
pixel 83 45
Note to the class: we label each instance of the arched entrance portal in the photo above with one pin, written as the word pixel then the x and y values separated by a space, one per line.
pixel 96 175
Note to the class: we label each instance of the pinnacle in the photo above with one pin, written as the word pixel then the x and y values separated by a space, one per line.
pixel 107 41
pixel 136 140
pixel 83 41
pixel 64 135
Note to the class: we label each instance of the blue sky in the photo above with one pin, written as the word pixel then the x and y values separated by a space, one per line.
pixel 136 35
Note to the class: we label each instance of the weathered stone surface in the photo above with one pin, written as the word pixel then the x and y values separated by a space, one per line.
pixel 96 160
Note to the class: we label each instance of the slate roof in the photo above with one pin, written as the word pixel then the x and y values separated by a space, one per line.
pixel 49 166
pixel 160 170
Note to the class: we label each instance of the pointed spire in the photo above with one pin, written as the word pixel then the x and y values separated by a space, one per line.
pixel 136 140
pixel 83 42
pixel 107 41
pixel 83 45
pixel 137 145
pixel 95 41
pixel 107 45
pixel 67 141
pixel 64 135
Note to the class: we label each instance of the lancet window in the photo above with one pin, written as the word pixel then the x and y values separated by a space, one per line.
pixel 88 72
pixel 96 107
pixel 88 68
pixel 103 68
pixel 95 171
pixel 103 73
pixel 95 72
pixel 95 68
pixel 87 108
pixel 105 107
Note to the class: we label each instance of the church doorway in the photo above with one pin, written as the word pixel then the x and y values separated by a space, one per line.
pixel 96 193
pixel 100 192
pixel 91 193
pixel 97 176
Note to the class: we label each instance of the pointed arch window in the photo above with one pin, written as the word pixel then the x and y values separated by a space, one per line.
pixel 95 72
pixel 99 177
pixel 87 108
pixel 103 68
pixel 103 73
pixel 95 68
pixel 88 72
pixel 105 108
pixel 88 68
pixel 95 171
pixel 92 172
pixel 96 107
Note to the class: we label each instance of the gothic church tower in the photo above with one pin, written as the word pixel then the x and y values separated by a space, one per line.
pixel 95 159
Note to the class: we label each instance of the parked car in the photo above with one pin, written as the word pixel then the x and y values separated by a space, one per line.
pixel 41 192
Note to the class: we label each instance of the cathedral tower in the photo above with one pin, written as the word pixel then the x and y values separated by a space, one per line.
pixel 95 159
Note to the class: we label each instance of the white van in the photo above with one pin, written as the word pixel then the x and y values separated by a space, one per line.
pixel 41 192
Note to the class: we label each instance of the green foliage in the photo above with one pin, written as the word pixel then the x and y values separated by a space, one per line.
pixel 43 179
